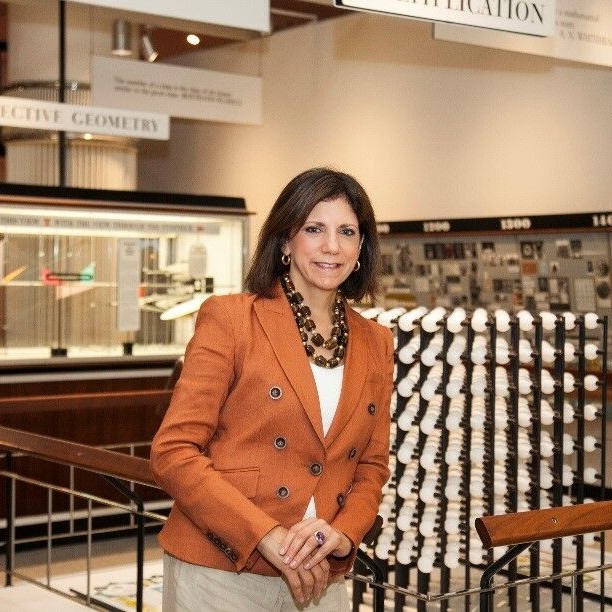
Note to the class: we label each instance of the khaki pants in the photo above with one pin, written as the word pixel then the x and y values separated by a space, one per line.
pixel 193 588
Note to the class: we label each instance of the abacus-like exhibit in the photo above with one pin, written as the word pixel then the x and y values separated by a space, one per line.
pixel 494 412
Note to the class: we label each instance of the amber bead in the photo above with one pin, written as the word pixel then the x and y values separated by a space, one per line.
pixel 317 339
pixel 320 361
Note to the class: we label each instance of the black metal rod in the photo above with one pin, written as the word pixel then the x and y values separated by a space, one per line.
pixel 580 434
pixel 10 523
pixel 512 441
pixel 536 437
pixel 378 604
pixel 486 579
pixel 603 441
pixel 62 91
pixel 140 533
pixel 559 401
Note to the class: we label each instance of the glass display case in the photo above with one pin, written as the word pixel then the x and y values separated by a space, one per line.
pixel 94 273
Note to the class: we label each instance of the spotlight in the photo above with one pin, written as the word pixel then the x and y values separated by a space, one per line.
pixel 193 39
pixel 146 46
pixel 122 38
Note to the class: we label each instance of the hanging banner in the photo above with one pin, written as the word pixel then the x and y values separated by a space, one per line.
pixel 583 34
pixel 245 14
pixel 535 17
pixel 190 93
pixel 56 116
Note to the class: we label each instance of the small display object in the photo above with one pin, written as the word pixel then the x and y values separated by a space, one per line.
pixel 110 273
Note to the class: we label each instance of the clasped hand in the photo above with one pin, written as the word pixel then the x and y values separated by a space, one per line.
pixel 301 558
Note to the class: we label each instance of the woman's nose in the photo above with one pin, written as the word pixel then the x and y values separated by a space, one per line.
pixel 331 243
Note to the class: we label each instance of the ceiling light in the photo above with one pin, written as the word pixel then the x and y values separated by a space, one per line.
pixel 146 46
pixel 122 38
pixel 193 39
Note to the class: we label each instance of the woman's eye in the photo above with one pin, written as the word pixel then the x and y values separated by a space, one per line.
pixel 347 231
pixel 312 229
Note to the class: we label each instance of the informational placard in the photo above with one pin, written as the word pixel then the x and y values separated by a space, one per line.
pixel 245 14
pixel 190 93
pixel 535 17
pixel 41 115
pixel 583 34
pixel 128 279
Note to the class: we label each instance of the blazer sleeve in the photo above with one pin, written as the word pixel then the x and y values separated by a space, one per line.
pixel 372 472
pixel 178 453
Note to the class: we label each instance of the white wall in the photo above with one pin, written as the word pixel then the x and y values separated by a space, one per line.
pixel 433 129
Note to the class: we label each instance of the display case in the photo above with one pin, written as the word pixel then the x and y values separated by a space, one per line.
pixel 93 273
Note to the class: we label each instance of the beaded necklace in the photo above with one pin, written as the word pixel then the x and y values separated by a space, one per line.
pixel 307 327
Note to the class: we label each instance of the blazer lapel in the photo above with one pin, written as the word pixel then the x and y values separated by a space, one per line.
pixel 278 323
pixel 355 372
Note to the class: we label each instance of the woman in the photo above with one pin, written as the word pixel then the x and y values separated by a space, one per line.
pixel 275 445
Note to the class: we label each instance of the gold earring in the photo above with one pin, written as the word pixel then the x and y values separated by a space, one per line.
pixel 285 259
pixel 357 266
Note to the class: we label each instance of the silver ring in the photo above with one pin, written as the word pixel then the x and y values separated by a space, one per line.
pixel 320 538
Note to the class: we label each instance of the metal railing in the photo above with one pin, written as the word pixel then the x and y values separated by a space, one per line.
pixel 123 471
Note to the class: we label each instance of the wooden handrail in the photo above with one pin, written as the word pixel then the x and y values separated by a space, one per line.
pixel 85 400
pixel 544 524
pixel 102 461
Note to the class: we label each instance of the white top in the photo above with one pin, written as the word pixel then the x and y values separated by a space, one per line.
pixel 329 386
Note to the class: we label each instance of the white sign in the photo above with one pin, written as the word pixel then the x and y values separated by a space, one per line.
pixel 536 17
pixel 39 115
pixel 190 93
pixel 583 34
pixel 128 279
pixel 246 14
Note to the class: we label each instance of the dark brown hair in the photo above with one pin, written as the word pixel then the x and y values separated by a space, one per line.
pixel 289 214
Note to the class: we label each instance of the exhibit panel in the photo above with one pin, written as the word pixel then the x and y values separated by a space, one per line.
pixel 80 278
pixel 99 291
pixel 538 263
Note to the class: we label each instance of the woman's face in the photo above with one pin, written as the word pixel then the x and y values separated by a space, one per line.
pixel 325 249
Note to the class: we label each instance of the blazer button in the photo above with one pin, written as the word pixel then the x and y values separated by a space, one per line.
pixel 341 499
pixel 282 492
pixel 280 442
pixel 352 453
pixel 275 393
pixel 315 469
pixel 371 408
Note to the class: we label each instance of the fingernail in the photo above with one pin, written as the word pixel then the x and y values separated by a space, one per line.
pixel 287 559
pixel 294 564
pixel 282 551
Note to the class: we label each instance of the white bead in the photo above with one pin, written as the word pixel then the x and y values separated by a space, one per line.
pixel 525 319
pixel 388 317
pixel 406 322
pixel 590 351
pixel 591 382
pixel 548 320
pixel 591 320
pixel 502 320
pixel 568 382
pixel 590 443
pixel 455 319
pixel 431 321
pixel 590 412
pixel 570 320
pixel 479 320
pixel 569 351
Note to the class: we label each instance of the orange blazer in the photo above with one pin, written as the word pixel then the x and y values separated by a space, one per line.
pixel 241 448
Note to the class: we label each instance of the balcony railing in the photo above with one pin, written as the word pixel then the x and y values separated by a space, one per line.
pixel 131 476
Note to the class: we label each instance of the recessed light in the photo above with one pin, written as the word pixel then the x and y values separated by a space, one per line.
pixel 193 39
